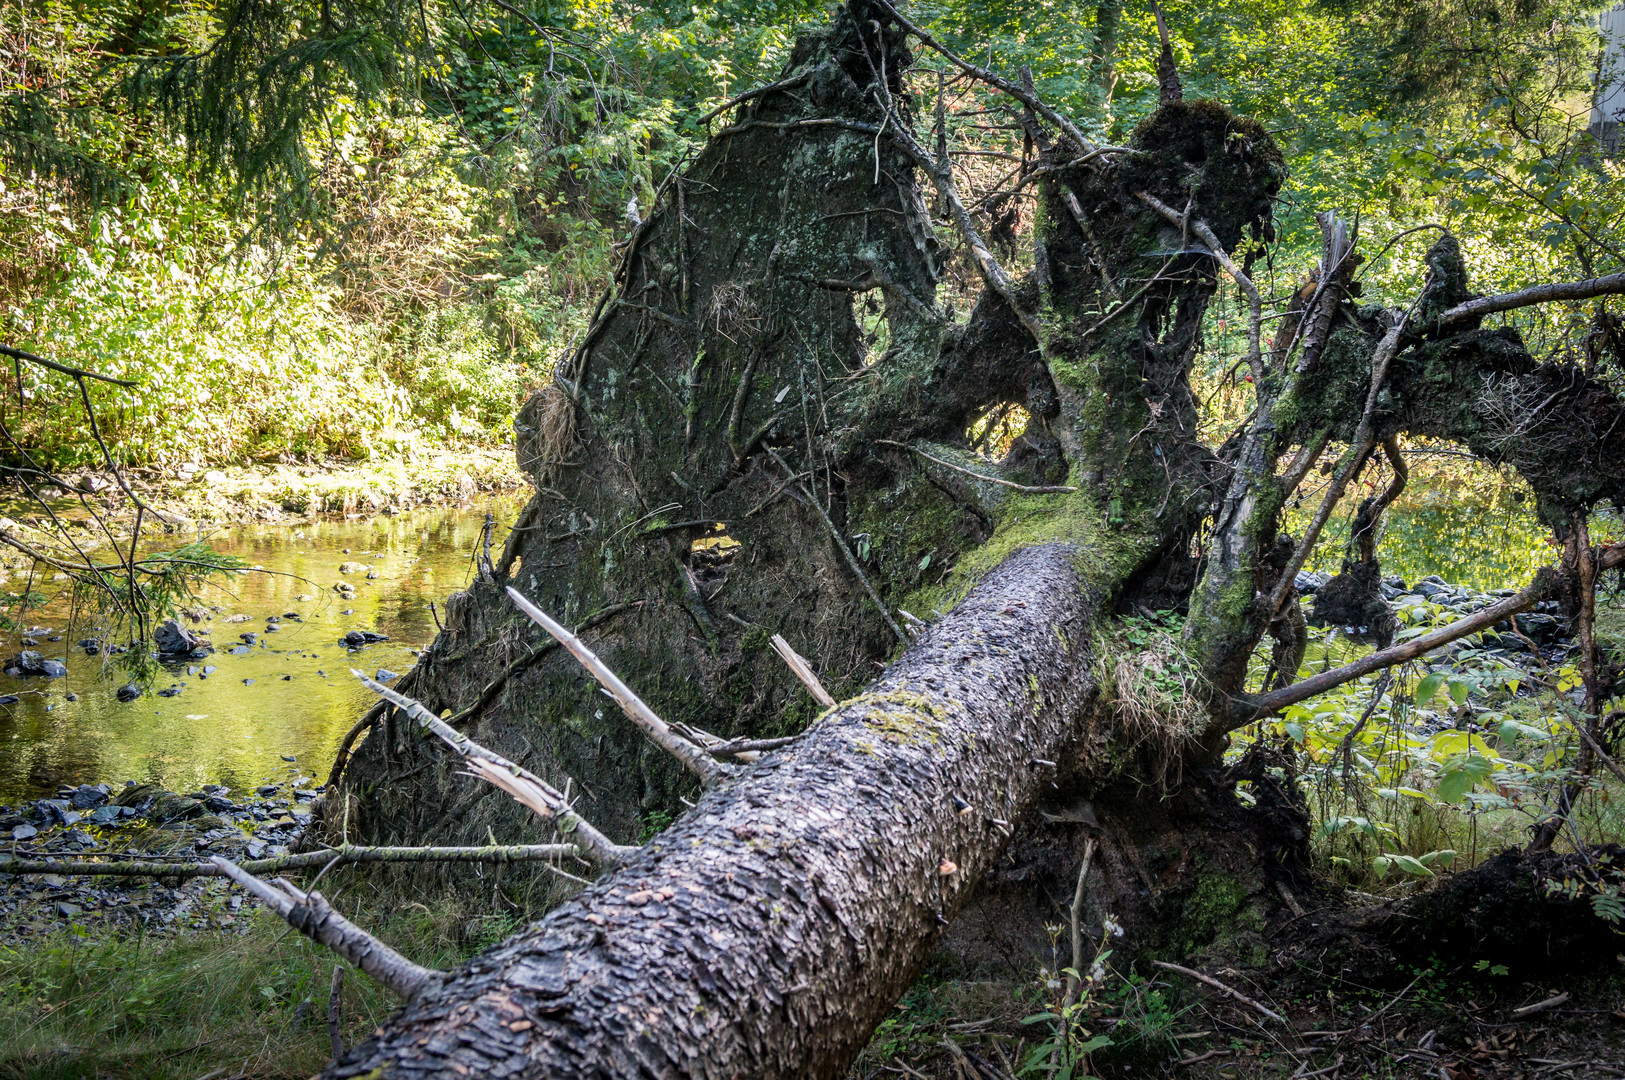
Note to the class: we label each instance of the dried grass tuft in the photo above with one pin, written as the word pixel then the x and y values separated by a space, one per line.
pixel 555 430
pixel 1156 692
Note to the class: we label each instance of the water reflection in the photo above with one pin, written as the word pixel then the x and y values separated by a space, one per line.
pixel 287 694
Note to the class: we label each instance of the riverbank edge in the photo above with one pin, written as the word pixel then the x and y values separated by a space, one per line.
pixel 283 493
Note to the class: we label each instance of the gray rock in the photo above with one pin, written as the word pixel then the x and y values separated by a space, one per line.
pixel 67 910
pixel 384 675
pixel 355 639
pixel 86 797
pixel 171 639
pixel 1308 582
pixel 9 699
pixel 24 832
pixel 129 692
pixel 53 669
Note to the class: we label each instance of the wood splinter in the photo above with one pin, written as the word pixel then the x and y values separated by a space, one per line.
pixel 691 754
pixel 802 670
pixel 311 915
pixel 526 787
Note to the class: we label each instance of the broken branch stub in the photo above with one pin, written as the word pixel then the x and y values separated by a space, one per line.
pixel 800 669
pixel 692 756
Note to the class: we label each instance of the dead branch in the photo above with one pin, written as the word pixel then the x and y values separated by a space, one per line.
pixel 526 787
pixel 692 756
pixel 77 373
pixel 1244 709
pixel 339 855
pixel 800 669
pixel 1536 294
pixel 311 915
pixel 1255 303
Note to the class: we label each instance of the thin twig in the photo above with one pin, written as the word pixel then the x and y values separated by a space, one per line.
pixel 1217 985
pixel 1026 489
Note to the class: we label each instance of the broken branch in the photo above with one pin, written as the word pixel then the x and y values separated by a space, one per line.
pixel 692 756
pixel 800 669
pixel 311 915
pixel 526 787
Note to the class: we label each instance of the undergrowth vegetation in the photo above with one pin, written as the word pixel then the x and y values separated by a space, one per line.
pixel 249 1002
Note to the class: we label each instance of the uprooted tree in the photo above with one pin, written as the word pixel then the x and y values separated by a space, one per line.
pixel 764 434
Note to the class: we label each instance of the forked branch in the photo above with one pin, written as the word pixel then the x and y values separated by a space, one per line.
pixel 526 787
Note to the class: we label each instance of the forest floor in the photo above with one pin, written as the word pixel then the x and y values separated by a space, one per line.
pixel 1460 1026
pixel 291 490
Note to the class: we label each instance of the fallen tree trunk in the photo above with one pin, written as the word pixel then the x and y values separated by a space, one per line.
pixel 769 931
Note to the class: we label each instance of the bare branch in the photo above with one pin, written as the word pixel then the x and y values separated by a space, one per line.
pixel 77 373
pixel 1255 303
pixel 1536 294
pixel 342 854
pixel 313 916
pixel 799 668
pixel 525 786
pixel 1244 709
pixel 692 756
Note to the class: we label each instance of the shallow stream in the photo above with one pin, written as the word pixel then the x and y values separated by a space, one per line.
pixel 270 710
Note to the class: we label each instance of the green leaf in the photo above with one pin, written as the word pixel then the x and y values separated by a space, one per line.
pixel 1459 689
pixel 1294 729
pixel 1410 865
pixel 1428 688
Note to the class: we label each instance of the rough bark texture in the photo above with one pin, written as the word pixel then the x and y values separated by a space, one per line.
pixel 768 932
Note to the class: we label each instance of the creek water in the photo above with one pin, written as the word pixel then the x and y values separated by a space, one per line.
pixel 288 695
